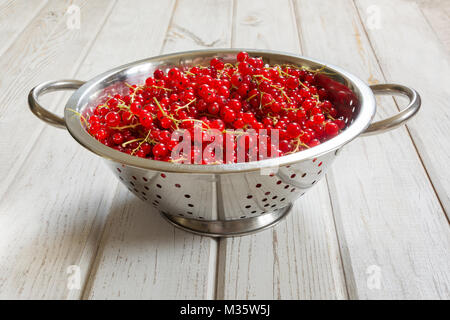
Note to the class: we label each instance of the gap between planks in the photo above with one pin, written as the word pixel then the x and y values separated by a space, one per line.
pixel 350 264
pixel 278 279
pixel 32 143
pixel 83 52
pixel 357 10
pixel 60 101
pixel 209 284
pixel 348 274
pixel 95 263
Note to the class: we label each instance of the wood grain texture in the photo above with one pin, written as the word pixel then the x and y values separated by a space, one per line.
pixel 10 26
pixel 103 56
pixel 298 259
pixel 45 222
pixel 141 256
pixel 61 207
pixel 46 50
pixel 386 211
pixel 416 45
pixel 97 180
pixel 437 13
pixel 199 24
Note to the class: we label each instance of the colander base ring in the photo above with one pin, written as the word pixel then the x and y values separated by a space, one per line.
pixel 231 228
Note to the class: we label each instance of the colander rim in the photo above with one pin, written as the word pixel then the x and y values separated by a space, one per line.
pixel 75 128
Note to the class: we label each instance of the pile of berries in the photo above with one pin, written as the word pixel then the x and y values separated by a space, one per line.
pixel 230 98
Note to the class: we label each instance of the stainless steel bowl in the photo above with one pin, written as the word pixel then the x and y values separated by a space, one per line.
pixel 228 199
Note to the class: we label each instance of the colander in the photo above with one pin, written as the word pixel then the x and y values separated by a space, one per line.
pixel 225 199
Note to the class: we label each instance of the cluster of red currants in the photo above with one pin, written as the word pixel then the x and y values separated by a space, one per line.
pixel 225 97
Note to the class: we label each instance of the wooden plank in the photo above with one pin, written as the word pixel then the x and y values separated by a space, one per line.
pixel 389 220
pixel 298 259
pixel 102 57
pixel 200 25
pixel 45 222
pixel 47 49
pixel 437 13
pixel 256 26
pixel 419 45
pixel 10 26
pixel 141 256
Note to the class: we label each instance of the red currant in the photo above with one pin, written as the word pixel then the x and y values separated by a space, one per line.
pixel 160 150
pixel 245 95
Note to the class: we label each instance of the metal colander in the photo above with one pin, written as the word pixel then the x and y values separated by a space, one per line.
pixel 227 199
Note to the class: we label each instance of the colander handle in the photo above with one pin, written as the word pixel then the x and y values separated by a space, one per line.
pixel 46 87
pixel 401 117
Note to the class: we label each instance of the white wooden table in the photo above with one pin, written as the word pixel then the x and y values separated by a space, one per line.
pixel 376 227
